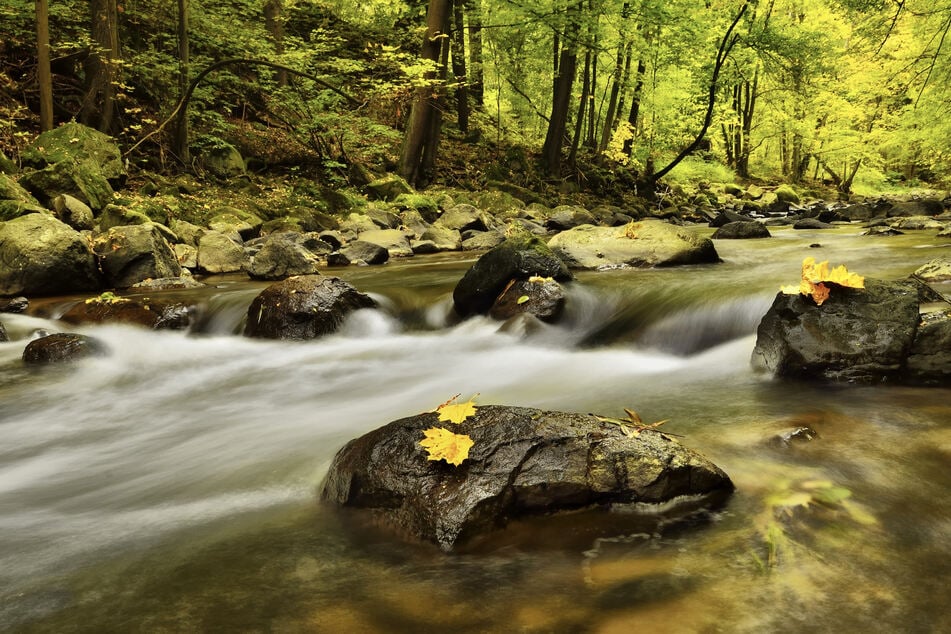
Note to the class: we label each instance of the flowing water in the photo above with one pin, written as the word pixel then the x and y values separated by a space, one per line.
pixel 171 486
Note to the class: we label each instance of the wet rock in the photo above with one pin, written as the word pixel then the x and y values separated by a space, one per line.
pixel 811 223
pixel 217 253
pixel 482 240
pixel 882 231
pixel 168 284
pixel 303 307
pixel 929 361
pixel 857 335
pixel 62 348
pixel 643 243
pixel 43 256
pixel 741 231
pixel 916 223
pixel 366 252
pixel 14 305
pixel 518 258
pixel 424 247
pixel 542 297
pixel 858 211
pixel 134 253
pixel 282 256
pixel 393 240
pixel 337 258
pixel 937 270
pixel 924 207
pixel 796 435
pixel 524 462
pixel 155 314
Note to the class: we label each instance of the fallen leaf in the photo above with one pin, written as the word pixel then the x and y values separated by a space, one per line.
pixel 521 300
pixel 456 412
pixel 442 444
pixel 816 277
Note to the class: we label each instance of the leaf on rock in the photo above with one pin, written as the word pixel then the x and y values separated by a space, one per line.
pixel 442 444
pixel 816 277
pixel 456 412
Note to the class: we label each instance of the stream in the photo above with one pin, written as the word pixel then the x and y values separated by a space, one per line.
pixel 171 486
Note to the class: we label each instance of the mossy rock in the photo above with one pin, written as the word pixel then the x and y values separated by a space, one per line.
pixel 82 179
pixel 74 142
pixel 388 188
pixel 116 216
pixel 223 160
pixel 786 194
pixel 425 205
pixel 43 256
pixel 6 165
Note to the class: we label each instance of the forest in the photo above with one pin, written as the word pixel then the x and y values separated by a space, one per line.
pixel 612 97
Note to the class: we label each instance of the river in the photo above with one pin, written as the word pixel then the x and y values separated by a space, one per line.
pixel 171 486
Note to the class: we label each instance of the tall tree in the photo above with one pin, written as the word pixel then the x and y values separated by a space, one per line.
pixel 476 75
pixel 102 66
pixel 565 70
pixel 459 67
pixel 274 23
pixel 180 143
pixel 43 73
pixel 425 120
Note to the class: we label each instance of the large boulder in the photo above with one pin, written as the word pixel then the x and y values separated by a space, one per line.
pixel 643 243
pixel 566 217
pixel 16 201
pixel 62 347
pixel 283 255
pixel 81 179
pixel 518 258
pixel 217 253
pixel 389 187
pixel 523 462
pixel 929 360
pixel 923 207
pixel 542 297
pixel 393 240
pixel 366 252
pixel 303 307
pixel 133 253
pixel 741 230
pixel 74 142
pixel 43 256
pixel 151 313
pixel 223 160
pixel 937 270
pixel 856 335
pixel 463 217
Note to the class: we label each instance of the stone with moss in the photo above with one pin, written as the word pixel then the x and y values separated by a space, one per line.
pixel 217 253
pixel 223 160
pixel 81 179
pixel 231 220
pixel 76 143
pixel 116 216
pixel 786 194
pixel 425 205
pixel 6 165
pixel 133 253
pixel 15 201
pixel 388 188
pixel 73 212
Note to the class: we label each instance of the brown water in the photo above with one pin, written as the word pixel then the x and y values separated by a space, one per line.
pixel 171 487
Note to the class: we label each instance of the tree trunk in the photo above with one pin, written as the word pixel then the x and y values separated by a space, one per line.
pixel 98 110
pixel 634 115
pixel 582 109
pixel 566 65
pixel 623 58
pixel 274 23
pixel 43 73
pixel 476 80
pixel 422 130
pixel 459 68
pixel 180 142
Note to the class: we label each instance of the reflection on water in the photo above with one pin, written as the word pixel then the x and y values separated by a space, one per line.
pixel 171 486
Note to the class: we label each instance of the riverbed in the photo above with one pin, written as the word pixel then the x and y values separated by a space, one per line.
pixel 172 486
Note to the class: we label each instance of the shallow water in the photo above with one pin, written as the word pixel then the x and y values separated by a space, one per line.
pixel 171 487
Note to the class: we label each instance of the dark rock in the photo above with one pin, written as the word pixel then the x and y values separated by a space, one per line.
pixel 929 362
pixel 283 256
pixel 337 258
pixel 14 305
pixel 424 247
pixel 167 284
pixel 383 218
pixel 333 238
pixel 3 333
pixel 858 335
pixel 916 223
pixel 367 252
pixel 156 314
pixel 542 297
pixel 858 211
pixel 223 160
pixel 414 222
pixel 524 462
pixel 303 307
pixel 882 231
pixel 517 258
pixel 926 207
pixel 61 348
pixel 830 215
pixel 131 254
pixel 811 223
pixel 43 256
pixel 566 217
pixel 741 231
pixel 797 435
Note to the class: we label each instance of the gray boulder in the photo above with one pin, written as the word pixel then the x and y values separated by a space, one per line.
pixel 929 360
pixel 303 307
pixel 134 253
pixel 81 179
pixel 231 221
pixel 366 252
pixel 217 253
pixel 62 347
pixel 443 238
pixel 73 212
pixel 393 240
pixel 116 216
pixel 282 256
pixel 518 258
pixel 523 462
pixel 482 240
pixel 741 231
pixel 43 256
pixel 566 217
pixel 857 335
pixel 463 217
pixel 924 207
pixel 811 223
pixel 643 243
pixel 937 270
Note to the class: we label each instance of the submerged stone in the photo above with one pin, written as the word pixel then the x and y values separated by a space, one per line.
pixel 524 462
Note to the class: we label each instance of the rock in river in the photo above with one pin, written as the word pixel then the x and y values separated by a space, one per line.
pixel 62 347
pixel 524 462
pixel 303 307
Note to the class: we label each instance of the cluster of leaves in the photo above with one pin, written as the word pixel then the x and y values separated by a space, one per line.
pixel 816 280
pixel 442 444
pixel 108 298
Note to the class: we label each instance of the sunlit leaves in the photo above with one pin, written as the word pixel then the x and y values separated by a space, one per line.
pixel 815 279
pixel 442 444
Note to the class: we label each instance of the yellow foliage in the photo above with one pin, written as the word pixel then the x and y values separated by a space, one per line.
pixel 442 444
pixel 456 412
pixel 815 277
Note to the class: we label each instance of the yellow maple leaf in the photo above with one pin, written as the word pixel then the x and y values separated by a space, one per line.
pixel 815 277
pixel 442 444
pixel 456 412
